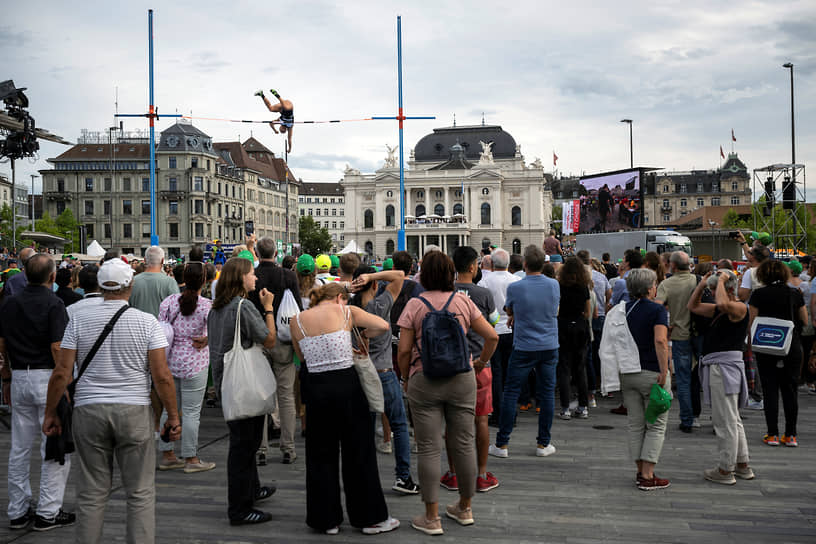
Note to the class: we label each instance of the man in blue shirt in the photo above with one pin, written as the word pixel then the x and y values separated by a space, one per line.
pixel 532 308
pixel 632 259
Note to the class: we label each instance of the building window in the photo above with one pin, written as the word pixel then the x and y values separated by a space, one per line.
pixel 317 212
pixel 735 186
pixel 665 203
pixel 368 219
pixel 126 185
pixel 458 209
pixel 439 210
pixel 199 230
pixel 486 214
pixel 145 185
pixel 88 185
pixel 127 207
pixel 194 163
pixel 106 205
pixel 171 163
pixel 700 203
pixel 389 216
pixel 515 214
pixel 735 201
pixel 302 212
pixel 389 247
pixel 173 184
pixel 173 207
pixel 145 230
pixel 233 191
pixel 388 194
pixel 420 210
pixel 341 212
pixel 700 188
pixel 683 203
pixel 666 218
pixel 516 246
pixel 107 230
pixel 326 224
pixel 485 191
pixel 665 188
pixel 334 225
pixel 89 207
pixel 198 185
pixel 310 211
pixel 438 194
pixel 326 212
pixel 683 188
pixel 108 184
pixel 485 243
pixel 89 231
pixel 715 201
pixel 715 187
pixel 145 207
pixel 60 185
pixel 198 207
pixel 342 226
pixel 60 206
pixel 127 230
pixel 683 214
pixel 420 194
pixel 334 211
pixel 369 247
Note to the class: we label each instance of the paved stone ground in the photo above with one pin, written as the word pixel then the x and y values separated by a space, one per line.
pixel 584 493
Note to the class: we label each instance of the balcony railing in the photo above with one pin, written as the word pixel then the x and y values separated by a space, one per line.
pixel 58 195
pixel 173 195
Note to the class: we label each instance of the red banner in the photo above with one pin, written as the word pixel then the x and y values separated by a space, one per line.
pixel 571 217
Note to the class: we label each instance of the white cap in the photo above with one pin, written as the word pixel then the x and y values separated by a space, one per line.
pixel 114 274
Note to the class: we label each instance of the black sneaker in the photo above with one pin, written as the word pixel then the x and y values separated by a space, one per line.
pixel 406 486
pixel 289 458
pixel 62 519
pixel 685 428
pixel 261 459
pixel 253 517
pixel 265 492
pixel 23 521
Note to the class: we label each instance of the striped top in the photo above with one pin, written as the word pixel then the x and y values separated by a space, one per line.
pixel 119 373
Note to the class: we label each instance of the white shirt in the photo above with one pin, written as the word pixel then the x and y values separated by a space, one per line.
pixel 750 281
pixel 119 373
pixel 91 299
pixel 496 282
pixel 600 286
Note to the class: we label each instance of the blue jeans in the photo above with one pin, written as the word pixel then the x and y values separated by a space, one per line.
pixel 395 412
pixel 521 362
pixel 681 355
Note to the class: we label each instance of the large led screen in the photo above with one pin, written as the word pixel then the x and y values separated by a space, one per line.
pixel 611 202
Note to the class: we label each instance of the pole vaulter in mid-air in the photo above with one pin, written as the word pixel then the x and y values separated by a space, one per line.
pixel 287 115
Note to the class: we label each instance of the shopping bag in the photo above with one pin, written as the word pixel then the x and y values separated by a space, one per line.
pixel 248 385
pixel 659 402
pixel 286 311
pixel 369 378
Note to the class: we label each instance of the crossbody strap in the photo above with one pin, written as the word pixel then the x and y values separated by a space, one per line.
pixel 105 332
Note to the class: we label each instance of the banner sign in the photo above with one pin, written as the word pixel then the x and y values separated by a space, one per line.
pixel 570 217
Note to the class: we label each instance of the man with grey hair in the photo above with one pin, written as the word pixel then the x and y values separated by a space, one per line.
pixel 675 293
pixel 277 280
pixel 152 286
pixel 17 283
pixel 31 328
pixel 497 282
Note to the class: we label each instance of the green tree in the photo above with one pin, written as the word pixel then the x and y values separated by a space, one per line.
pixel 314 239
pixel 557 214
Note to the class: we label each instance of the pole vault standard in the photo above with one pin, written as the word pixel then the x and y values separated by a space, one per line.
pixel 401 117
pixel 152 115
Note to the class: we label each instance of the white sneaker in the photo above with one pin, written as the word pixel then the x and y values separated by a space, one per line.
pixel 565 414
pixel 497 451
pixel 696 423
pixel 592 403
pixel 756 405
pixel 382 527
pixel 384 447
pixel 581 413
pixel 545 451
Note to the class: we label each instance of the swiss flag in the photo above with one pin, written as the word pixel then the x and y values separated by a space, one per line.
pixel 733 138
pixel 721 153
pixel 555 158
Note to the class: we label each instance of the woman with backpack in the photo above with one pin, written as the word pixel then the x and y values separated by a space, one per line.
pixel 434 358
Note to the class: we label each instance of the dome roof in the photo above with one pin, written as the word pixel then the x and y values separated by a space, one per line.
pixel 437 145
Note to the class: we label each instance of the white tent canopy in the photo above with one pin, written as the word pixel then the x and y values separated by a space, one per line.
pixel 95 250
pixel 352 247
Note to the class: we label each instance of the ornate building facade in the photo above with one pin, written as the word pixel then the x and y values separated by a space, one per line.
pixel 325 203
pixel 466 185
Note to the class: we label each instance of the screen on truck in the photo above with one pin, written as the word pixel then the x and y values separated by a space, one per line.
pixel 610 202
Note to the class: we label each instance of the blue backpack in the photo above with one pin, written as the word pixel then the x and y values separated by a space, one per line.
pixel 445 351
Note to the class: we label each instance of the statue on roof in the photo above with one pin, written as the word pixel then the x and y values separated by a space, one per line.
pixel 391 159
pixel 537 163
pixel 349 171
pixel 486 156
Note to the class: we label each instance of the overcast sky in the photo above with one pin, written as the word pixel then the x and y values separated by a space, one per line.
pixel 556 76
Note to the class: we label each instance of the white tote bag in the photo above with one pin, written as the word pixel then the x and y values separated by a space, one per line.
pixel 248 385
pixel 287 310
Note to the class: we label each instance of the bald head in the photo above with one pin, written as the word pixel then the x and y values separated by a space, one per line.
pixel 26 254
pixel 679 260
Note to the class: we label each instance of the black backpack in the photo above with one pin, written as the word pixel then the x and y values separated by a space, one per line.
pixel 402 299
pixel 445 351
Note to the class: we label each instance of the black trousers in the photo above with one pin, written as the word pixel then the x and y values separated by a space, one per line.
pixel 242 472
pixel 498 368
pixel 339 420
pixel 783 380
pixel 573 338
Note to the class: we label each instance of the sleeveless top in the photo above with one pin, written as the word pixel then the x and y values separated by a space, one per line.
pixel 329 351
pixel 287 117
pixel 725 335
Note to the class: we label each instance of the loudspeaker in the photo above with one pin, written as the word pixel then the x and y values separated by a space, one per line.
pixel 788 193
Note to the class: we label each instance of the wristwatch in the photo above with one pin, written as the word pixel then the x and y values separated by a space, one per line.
pixel 267 312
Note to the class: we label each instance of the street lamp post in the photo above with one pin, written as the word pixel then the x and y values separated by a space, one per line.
pixel 32 201
pixel 793 148
pixel 631 156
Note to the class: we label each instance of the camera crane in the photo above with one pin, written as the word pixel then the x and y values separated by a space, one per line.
pixel 21 135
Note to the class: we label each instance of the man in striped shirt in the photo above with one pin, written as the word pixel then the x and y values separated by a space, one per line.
pixel 112 415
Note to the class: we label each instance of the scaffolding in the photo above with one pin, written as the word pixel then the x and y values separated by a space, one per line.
pixel 789 233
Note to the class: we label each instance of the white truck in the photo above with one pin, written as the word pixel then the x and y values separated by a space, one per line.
pixel 616 243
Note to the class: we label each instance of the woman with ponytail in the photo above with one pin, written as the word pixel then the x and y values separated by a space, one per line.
pixel 189 361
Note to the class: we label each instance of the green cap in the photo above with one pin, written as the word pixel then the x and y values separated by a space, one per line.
pixel 388 264
pixel 305 264
pixel 247 254
pixel 335 261
pixel 795 267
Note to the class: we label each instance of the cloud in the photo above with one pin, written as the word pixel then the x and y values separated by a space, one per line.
pixel 14 38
